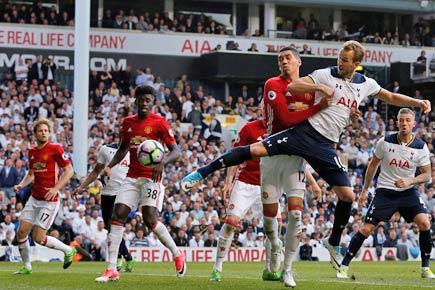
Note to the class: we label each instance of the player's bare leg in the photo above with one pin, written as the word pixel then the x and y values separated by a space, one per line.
pixel 150 216
pixel 273 243
pixel 354 246
pixel 226 235
pixel 120 214
pixel 295 207
pixel 234 156
pixel 342 214
pixel 39 235
pixel 24 246
pixel 425 241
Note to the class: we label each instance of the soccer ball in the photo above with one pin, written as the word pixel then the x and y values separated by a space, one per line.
pixel 150 153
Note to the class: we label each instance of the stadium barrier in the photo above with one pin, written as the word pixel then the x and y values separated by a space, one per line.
pixel 182 44
pixel 157 254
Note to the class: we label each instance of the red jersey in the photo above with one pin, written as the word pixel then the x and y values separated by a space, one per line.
pixel 252 132
pixel 135 131
pixel 281 109
pixel 46 163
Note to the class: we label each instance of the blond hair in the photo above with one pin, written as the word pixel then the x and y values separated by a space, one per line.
pixel 356 47
pixel 41 121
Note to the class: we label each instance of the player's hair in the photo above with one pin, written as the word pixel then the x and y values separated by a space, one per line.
pixel 41 121
pixel 145 90
pixel 293 50
pixel 406 111
pixel 358 49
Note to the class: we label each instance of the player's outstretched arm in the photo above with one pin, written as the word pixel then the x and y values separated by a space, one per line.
pixel 307 85
pixel 404 101
pixel 120 154
pixel 26 181
pixel 423 177
pixel 90 178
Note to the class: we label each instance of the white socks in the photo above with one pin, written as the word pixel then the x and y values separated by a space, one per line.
pixel 24 248
pixel 114 240
pixel 226 235
pixel 53 243
pixel 268 248
pixel 291 237
pixel 162 233
pixel 271 230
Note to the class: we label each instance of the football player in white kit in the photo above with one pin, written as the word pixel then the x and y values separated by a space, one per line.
pixel 314 140
pixel 111 186
pixel 399 156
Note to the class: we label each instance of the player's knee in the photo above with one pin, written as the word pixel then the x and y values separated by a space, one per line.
pixel 366 230
pixel 39 237
pixel 424 225
pixel 270 212
pixel 150 221
pixel 232 221
pixel 345 193
pixel 21 234
pixel 258 150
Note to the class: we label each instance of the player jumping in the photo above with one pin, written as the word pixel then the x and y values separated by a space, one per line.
pixel 314 139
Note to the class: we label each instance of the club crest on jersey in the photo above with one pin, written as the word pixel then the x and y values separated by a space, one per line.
pixel 39 165
pixel 148 129
pixel 271 95
pixel 399 163
pixel 351 104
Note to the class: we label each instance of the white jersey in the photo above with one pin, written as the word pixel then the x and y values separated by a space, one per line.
pixel 348 95
pixel 399 161
pixel 119 172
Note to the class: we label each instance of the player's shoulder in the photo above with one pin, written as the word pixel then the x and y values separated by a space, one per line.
pixel 257 124
pixel 391 138
pixel 274 81
pixel 129 119
pixel 53 146
pixel 417 143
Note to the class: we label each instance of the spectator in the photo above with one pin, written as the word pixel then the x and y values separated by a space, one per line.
pixel 420 64
pixel 196 241
pixel 211 241
pixel 305 50
pixel 253 48
pixel 181 239
pixel 21 71
pixel 8 178
pixel 139 240
pixel 306 251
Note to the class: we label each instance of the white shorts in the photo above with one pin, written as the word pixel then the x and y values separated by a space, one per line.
pixel 137 192
pixel 282 174
pixel 243 197
pixel 40 213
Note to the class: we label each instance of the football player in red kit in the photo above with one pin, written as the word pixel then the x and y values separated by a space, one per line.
pixel 142 187
pixel 46 160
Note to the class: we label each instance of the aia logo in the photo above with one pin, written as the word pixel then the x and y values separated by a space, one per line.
pixel 399 163
pixel 351 104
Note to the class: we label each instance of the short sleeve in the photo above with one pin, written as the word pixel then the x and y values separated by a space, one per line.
pixel 102 156
pixel 61 158
pixel 243 137
pixel 320 76
pixel 379 149
pixel 425 157
pixel 166 133
pixel 373 88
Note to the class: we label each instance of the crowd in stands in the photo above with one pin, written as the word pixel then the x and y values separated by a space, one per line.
pixel 300 28
pixel 30 91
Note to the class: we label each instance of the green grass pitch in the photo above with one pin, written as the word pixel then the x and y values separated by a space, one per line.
pixel 244 276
